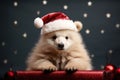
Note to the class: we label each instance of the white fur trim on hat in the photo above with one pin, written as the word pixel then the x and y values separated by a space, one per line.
pixel 38 22
pixel 58 25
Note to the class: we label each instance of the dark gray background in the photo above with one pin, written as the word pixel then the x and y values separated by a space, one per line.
pixel 14 48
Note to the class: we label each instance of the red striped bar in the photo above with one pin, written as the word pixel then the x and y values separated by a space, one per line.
pixel 109 73
pixel 59 75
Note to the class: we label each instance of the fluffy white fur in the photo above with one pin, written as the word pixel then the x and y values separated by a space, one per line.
pixel 58 25
pixel 47 56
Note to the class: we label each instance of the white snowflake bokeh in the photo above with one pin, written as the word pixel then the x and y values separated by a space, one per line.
pixel 110 51
pixel 85 15
pixel 117 25
pixel 5 61
pixel 108 15
pixel 15 52
pixel 38 12
pixel 15 4
pixel 92 55
pixel 3 43
pixel 89 3
pixel 102 31
pixel 102 66
pixel 44 2
pixel 24 35
pixel 87 31
pixel 15 22
pixel 65 7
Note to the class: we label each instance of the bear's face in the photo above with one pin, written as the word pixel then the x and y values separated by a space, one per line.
pixel 62 39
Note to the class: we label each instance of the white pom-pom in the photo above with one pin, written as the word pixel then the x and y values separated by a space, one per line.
pixel 38 22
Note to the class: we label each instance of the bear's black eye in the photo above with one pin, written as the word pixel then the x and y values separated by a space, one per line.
pixel 54 37
pixel 66 37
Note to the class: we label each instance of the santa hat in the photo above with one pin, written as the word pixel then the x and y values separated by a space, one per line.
pixel 54 21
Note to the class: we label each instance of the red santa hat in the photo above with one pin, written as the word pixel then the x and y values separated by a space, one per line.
pixel 54 21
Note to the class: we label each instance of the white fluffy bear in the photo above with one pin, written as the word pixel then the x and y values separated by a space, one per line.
pixel 60 46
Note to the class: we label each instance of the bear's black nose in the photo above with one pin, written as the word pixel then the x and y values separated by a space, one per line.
pixel 60 46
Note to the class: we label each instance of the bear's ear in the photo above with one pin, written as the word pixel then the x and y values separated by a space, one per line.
pixel 79 25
